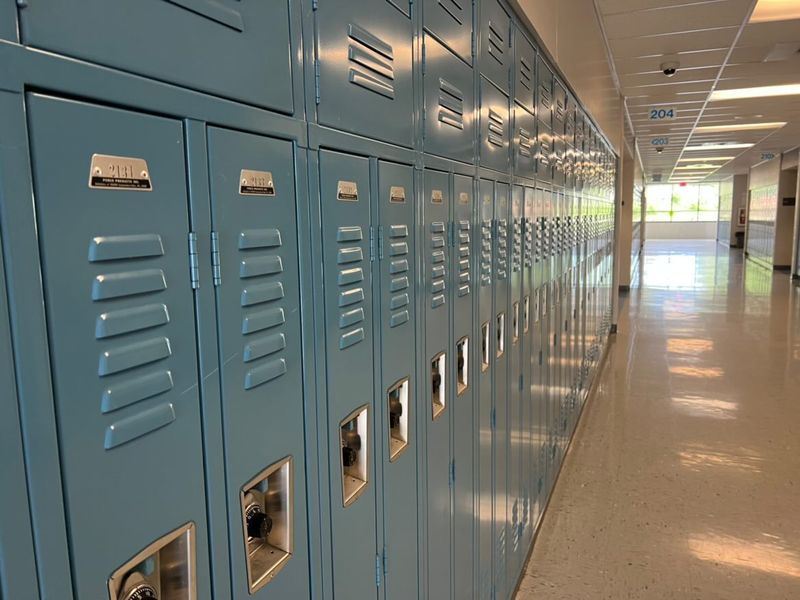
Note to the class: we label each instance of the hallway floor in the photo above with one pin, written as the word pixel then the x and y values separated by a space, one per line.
pixel 683 480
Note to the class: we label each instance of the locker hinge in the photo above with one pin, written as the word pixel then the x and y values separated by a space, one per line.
pixel 314 4
pixel 316 81
pixel 453 471
pixel 371 244
pixel 474 49
pixel 541 358
pixel 377 570
pixel 194 264
pixel 380 242
pixel 216 270
pixel 494 419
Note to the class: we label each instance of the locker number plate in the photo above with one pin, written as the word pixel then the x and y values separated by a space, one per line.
pixel 119 173
pixel 256 183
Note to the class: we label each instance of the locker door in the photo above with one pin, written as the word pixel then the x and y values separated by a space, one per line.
pixel 253 203
pixel 370 92
pixel 539 351
pixel 449 103
pixel 516 416
pixel 524 72
pixel 544 94
pixel 484 333
pixel 398 382
pixel 462 345
pixel 122 341
pixel 345 199
pixel 544 153
pixel 524 142
pixel 451 22
pixel 502 350
pixel 495 128
pixel 204 45
pixel 439 394
pixel 496 57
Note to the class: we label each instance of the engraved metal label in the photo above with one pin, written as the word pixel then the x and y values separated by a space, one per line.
pixel 397 194
pixel 437 196
pixel 347 191
pixel 119 173
pixel 256 183
pixel 463 198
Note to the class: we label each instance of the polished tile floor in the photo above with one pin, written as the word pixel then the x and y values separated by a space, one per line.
pixel 683 480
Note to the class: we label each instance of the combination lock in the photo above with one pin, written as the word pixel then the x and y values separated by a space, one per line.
pixel 136 588
pixel 259 523
pixel 395 411
pixel 351 444
pixel 436 381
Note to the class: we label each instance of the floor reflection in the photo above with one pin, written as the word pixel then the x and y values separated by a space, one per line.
pixel 769 556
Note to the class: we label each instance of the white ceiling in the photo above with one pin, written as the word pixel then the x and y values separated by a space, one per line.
pixel 717 49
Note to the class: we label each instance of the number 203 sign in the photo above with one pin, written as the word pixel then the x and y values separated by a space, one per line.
pixel 665 113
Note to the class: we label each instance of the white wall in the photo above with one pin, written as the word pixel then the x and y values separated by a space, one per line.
pixel 681 231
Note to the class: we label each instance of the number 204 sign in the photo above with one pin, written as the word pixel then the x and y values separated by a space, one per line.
pixel 665 113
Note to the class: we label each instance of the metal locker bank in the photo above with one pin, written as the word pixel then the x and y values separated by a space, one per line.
pixel 300 299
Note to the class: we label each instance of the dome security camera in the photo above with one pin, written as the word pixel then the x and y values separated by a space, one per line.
pixel 660 149
pixel 670 68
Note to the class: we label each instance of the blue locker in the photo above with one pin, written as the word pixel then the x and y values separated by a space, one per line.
pixel 485 333
pixel 463 382
pixel 544 153
pixel 17 561
pixel 437 200
pixel 501 388
pixel 496 60
pixel 349 354
pixel 253 203
pixel 524 142
pixel 398 412
pixel 369 92
pixel 515 505
pixel 238 49
pixel 524 72
pixel 449 116
pixel 451 22
pixel 495 128
pixel 121 332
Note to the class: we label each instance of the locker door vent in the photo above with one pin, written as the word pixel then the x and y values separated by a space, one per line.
pixel 486 253
pixel 525 74
pixel 525 142
pixel 454 9
pixel 497 41
pixel 463 258
pixel 451 104
pixel 496 128
pixel 438 264
pixel 260 270
pixel 371 62
pixel 351 274
pixel 213 10
pixel 400 298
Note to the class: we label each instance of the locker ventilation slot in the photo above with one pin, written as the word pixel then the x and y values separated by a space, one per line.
pixel 486 253
pixel 464 276
pixel 525 74
pixel 496 130
pixel 516 257
pixel 213 10
pixel 401 299
pixel 451 104
pixel 525 142
pixel 131 364
pixel 454 9
pixel 496 42
pixel 350 278
pixel 371 62
pixel 545 97
pixel 438 266
pixel 502 249
pixel 260 271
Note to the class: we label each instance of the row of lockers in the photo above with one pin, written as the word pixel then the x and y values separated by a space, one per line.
pixel 463 80
pixel 254 356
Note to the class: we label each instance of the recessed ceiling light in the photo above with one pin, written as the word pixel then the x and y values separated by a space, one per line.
pixel 717 147
pixel 708 158
pixel 775 10
pixel 740 127
pixel 766 91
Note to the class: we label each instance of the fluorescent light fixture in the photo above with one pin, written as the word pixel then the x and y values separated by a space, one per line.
pixel 708 158
pixel 705 147
pixel 775 10
pixel 741 127
pixel 697 168
pixel 766 91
